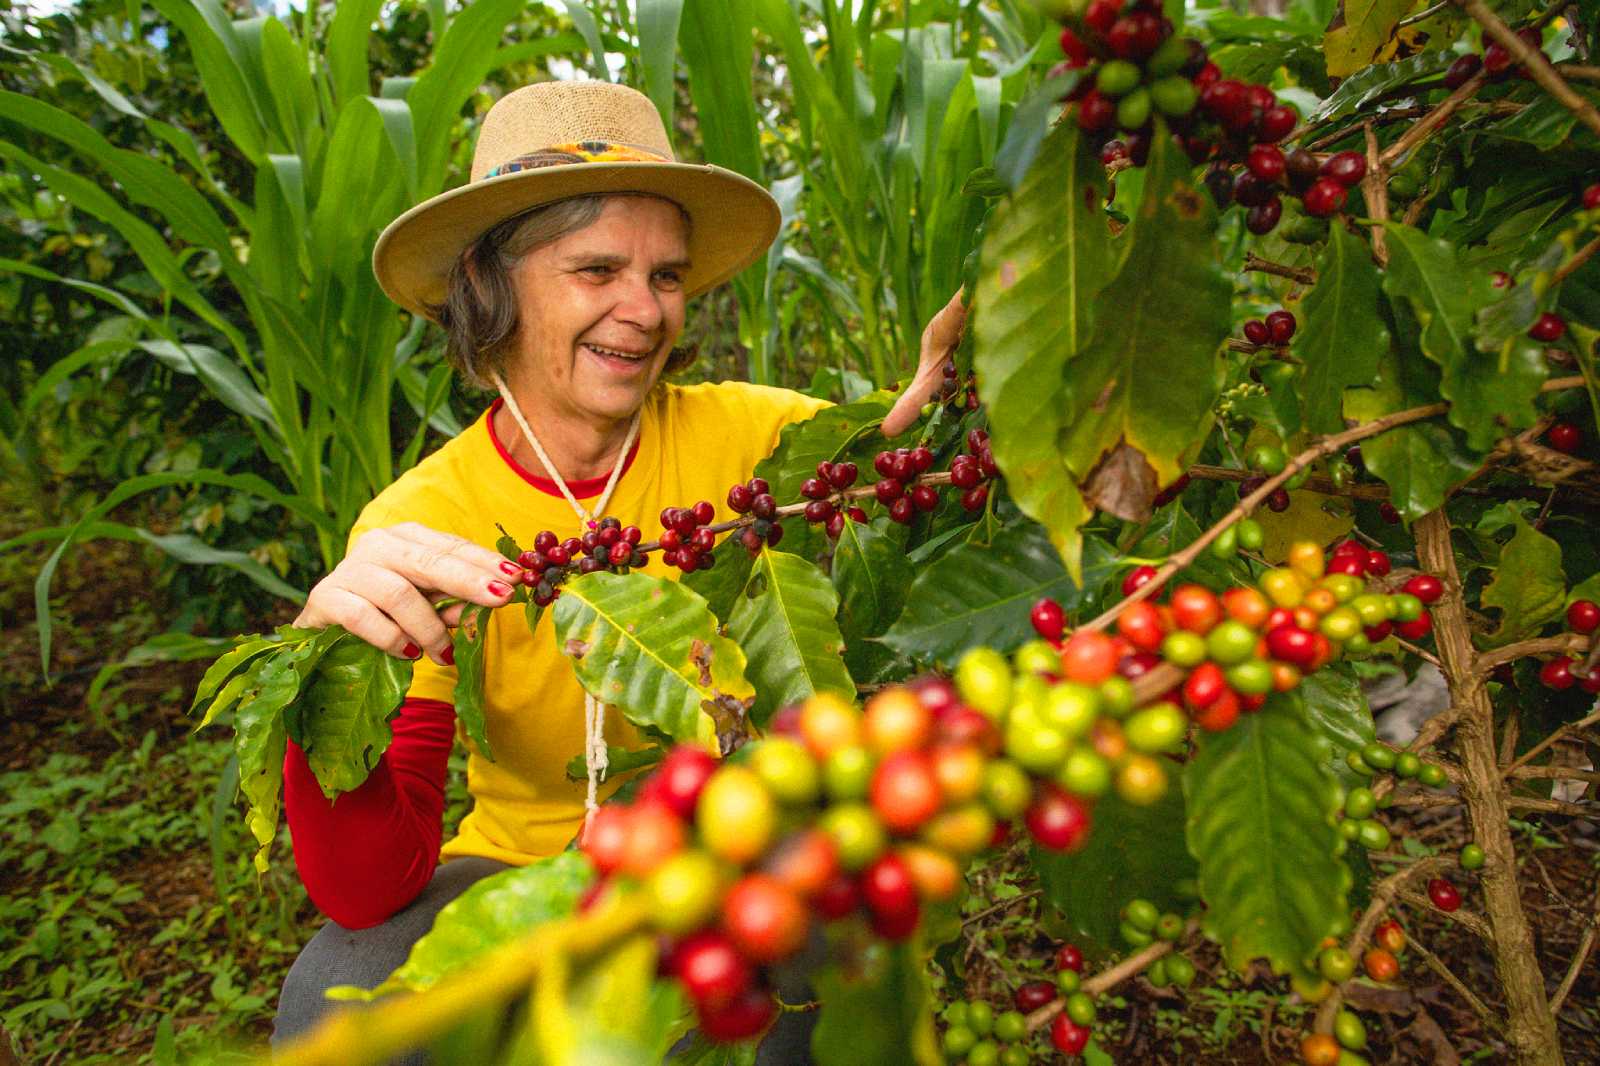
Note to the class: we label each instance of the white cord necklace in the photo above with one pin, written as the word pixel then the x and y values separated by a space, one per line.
pixel 594 712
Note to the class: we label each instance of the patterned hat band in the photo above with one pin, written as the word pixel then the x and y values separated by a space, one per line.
pixel 579 152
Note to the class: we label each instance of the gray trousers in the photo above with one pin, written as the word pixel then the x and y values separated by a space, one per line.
pixel 365 957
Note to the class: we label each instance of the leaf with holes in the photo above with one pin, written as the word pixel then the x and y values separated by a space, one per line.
pixel 343 714
pixel 784 622
pixel 470 639
pixel 1529 588
pixel 982 594
pixel 651 647
pixel 1152 367
pixel 1261 806
pixel 1046 254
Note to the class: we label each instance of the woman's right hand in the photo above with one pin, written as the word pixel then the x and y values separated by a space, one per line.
pixel 385 589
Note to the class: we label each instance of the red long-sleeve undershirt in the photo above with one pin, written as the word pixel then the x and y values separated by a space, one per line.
pixel 368 853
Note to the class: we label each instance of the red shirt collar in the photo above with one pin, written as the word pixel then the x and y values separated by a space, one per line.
pixel 581 490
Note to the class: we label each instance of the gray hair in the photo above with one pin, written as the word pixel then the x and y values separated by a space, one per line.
pixel 480 314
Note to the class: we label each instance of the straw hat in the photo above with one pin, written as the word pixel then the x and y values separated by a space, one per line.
pixel 558 139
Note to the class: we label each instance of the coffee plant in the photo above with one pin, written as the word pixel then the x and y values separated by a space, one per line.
pixel 1365 300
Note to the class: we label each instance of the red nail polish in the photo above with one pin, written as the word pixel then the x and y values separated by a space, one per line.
pixel 448 655
pixel 410 651
pixel 510 569
pixel 499 588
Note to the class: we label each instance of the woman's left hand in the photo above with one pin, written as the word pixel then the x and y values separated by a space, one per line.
pixel 939 340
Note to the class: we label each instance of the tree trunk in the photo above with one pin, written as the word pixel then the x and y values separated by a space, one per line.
pixel 1530 1027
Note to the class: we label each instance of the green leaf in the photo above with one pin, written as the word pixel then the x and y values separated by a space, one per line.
pixel 649 646
pixel 1046 254
pixel 1261 823
pixel 720 586
pixel 471 641
pixel 1133 852
pixel 344 714
pixel 1421 461
pixel 1489 394
pixel 1152 369
pixel 879 1011
pixel 982 595
pixel 872 574
pixel 1365 27
pixel 784 624
pixel 658 48
pixel 233 673
pixel 1529 587
pixel 1342 332
pixel 493 912
pixel 1337 708
pixel 1363 87
pixel 261 736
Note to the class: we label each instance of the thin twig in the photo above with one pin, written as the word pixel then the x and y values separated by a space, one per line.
pixel 1539 748
pixel 1479 1008
pixel 1554 773
pixel 1375 190
pixel 1585 945
pixel 1315 483
pixel 1002 905
pixel 1562 644
pixel 1464 918
pixel 1108 979
pixel 1304 275
pixel 1534 62
pixel 1580 257
pixel 1434 119
pixel 1423 15
pixel 1421 653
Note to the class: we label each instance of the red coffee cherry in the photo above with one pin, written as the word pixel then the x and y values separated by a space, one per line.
pixel 1582 617
pixel 1266 162
pixel 1049 621
pixel 1443 894
pixel 1325 197
pixel 1424 587
pixel 1462 71
pixel 1564 437
pixel 1547 328
pixel 1068 1036
pixel 1557 674
pixel 1057 819
pixel 1032 995
pixel 1591 197
pixel 1346 168
pixel 1276 123
pixel 1068 957
pixel 1256 332
pixel 1137 578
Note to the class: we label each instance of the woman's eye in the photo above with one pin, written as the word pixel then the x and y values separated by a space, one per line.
pixel 598 270
pixel 669 278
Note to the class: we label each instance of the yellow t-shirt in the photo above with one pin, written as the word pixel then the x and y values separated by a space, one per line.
pixel 694 442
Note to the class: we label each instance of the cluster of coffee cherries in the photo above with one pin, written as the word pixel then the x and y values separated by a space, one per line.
pixel 1496 61
pixel 1322 184
pixel 1562 672
pixel 755 497
pixel 838 812
pixel 1071 1028
pixel 1275 329
pixel 609 546
pixel 1249 642
pixel 1361 804
pixel 824 509
pixel 1270 460
pixel 897 487
pixel 952 389
pixel 977 1035
pixel 973 469
pixel 687 537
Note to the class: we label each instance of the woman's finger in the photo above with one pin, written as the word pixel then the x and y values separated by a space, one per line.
pixel 454 567
pixel 939 339
pixel 361 617
pixel 403 603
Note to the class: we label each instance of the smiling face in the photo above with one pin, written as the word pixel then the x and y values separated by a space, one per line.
pixel 600 310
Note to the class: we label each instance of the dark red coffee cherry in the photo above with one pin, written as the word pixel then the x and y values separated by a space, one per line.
pixel 1263 218
pixel 1547 328
pixel 1557 674
pixel 1281 325
pixel 1266 162
pixel 1591 197
pixel 1278 500
pixel 1276 123
pixel 1462 71
pixel 1583 616
pixel 1256 332
pixel 1564 437
pixel 1325 197
pixel 1346 168
pixel 1496 60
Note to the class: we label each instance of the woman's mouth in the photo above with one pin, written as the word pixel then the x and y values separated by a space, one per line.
pixel 621 360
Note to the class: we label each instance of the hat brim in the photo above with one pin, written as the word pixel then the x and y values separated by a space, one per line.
pixel 733 221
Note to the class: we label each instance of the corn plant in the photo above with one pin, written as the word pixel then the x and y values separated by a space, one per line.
pixel 295 336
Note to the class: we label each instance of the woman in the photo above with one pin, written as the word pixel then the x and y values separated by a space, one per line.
pixel 560 273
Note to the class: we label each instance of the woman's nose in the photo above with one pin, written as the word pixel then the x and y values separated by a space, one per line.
pixel 639 304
